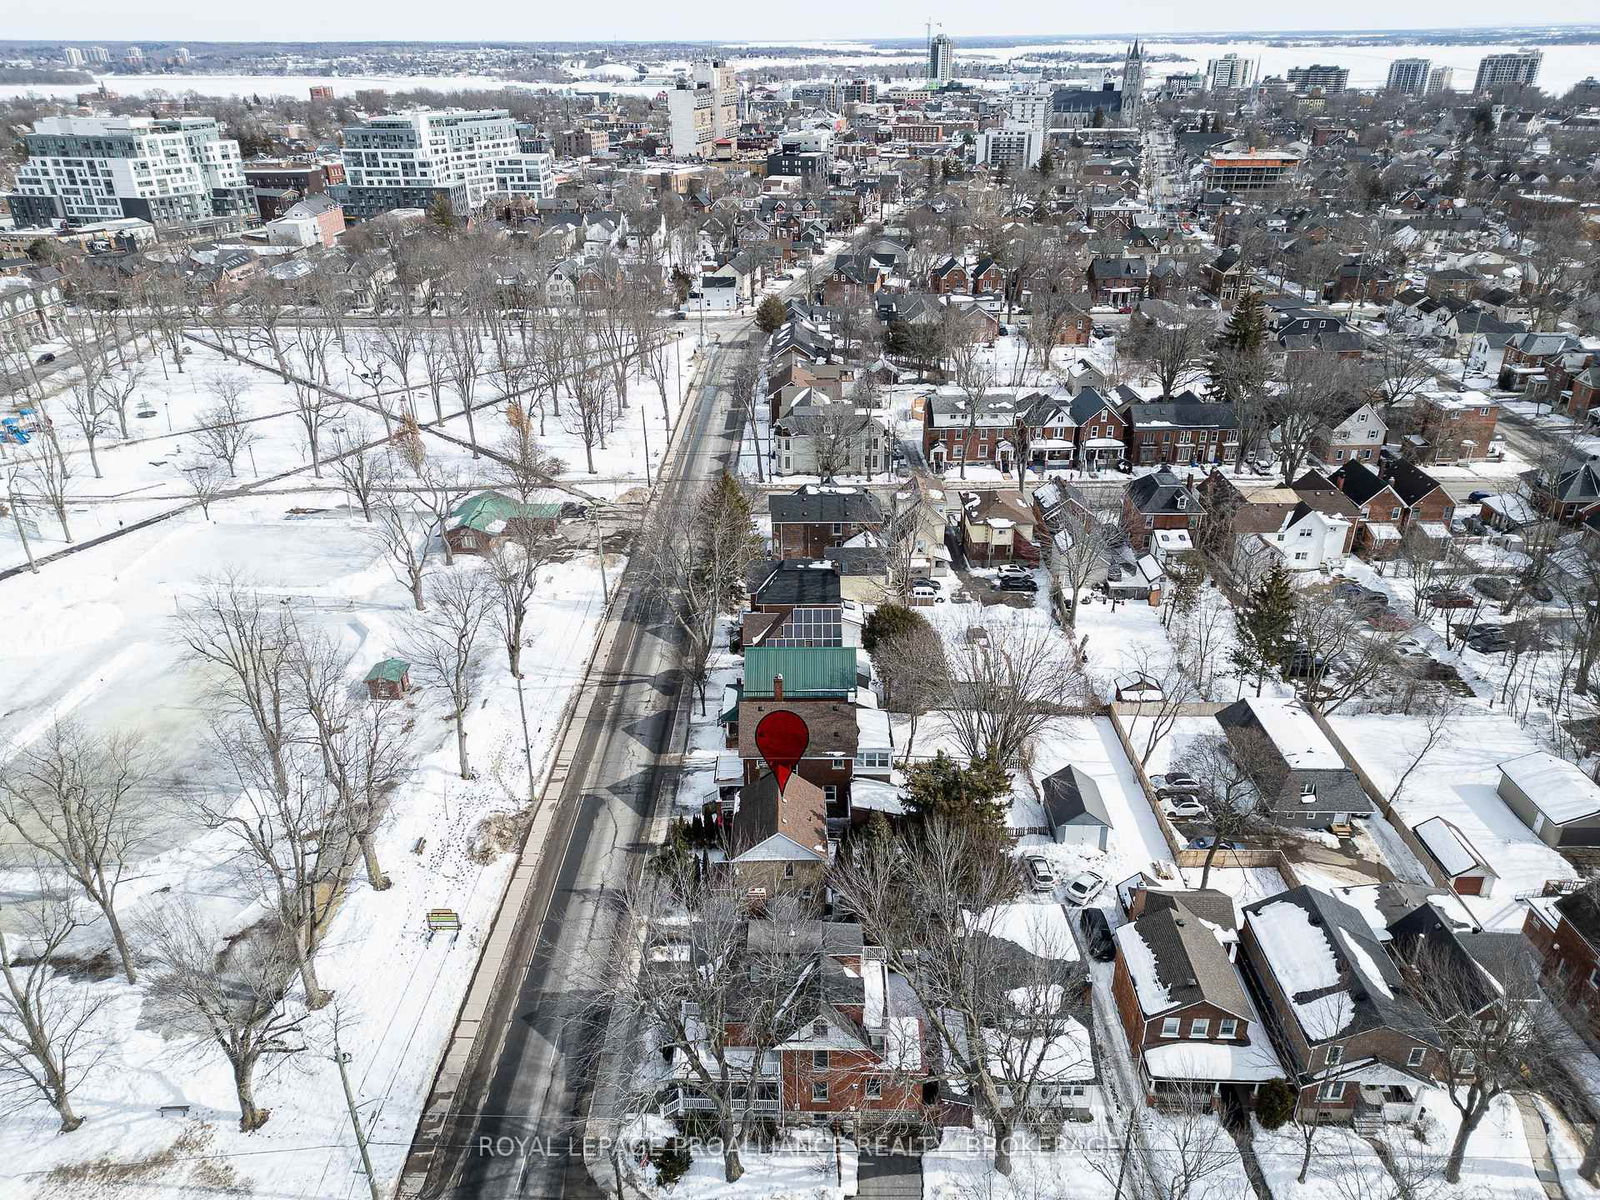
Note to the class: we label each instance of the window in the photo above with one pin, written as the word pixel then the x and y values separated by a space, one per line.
pixel 1227 1028
pixel 1338 456
pixel 1299 558
pixel 874 1088
pixel 1394 514
pixel 1332 1090
pixel 830 792
pixel 1414 1059
pixel 819 1029
pixel 788 870
pixel 1171 1027
pixel 819 1093
pixel 1200 1027
pixel 819 1060
pixel 1334 1056
pixel 1308 793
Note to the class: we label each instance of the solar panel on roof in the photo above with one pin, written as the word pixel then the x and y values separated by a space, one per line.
pixel 808 627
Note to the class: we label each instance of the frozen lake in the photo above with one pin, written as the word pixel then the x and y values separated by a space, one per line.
pixel 1563 66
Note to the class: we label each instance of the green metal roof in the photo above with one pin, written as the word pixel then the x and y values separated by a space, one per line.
pixel 808 671
pixel 390 670
pixel 488 511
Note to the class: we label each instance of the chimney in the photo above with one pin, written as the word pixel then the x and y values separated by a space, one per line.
pixel 777 687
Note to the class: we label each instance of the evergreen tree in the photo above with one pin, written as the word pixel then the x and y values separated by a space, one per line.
pixel 889 622
pixel 770 314
pixel 1047 165
pixel 1263 626
pixel 976 796
pixel 440 213
pixel 1275 1103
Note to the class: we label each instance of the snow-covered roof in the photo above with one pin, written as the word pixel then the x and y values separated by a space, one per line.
pixel 1294 734
pixel 1140 961
pixel 1228 1062
pixel 1040 929
pixel 1561 791
pixel 1307 969
pixel 1067 1057
pixel 1449 846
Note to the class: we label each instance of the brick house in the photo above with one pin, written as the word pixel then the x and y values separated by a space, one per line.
pixel 1102 429
pixel 1565 931
pixel 1180 1000
pixel 949 276
pixel 1120 282
pixel 1450 429
pixel 1529 357
pixel 956 431
pixel 1156 501
pixel 1585 391
pixel 1225 277
pixel 834 736
pixel 1390 501
pixel 854 1047
pixel 988 278
pixel 777 841
pixel 808 521
pixel 1359 434
pixel 1183 430
pixel 1360 1046
pixel 996 526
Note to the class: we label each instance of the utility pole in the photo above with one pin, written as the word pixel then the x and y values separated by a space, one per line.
pixel 341 1059
pixel 527 744
pixel 16 517
pixel 644 428
pixel 600 553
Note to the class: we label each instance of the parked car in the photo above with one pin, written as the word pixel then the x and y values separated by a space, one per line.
pixel 1097 933
pixel 1478 496
pixel 1016 570
pixel 1041 875
pixel 1447 597
pixel 1541 592
pixel 1100 331
pixel 1085 887
pixel 1175 783
pixel 1489 639
pixel 1359 596
pixel 1017 583
pixel 1496 587
pixel 1204 843
pixel 45 358
pixel 1411 648
pixel 1475 526
pixel 1183 808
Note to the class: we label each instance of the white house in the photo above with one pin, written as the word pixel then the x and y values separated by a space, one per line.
pixel 1360 435
pixel 1309 540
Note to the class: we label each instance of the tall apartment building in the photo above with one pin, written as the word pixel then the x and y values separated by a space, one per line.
pixel 165 170
pixel 133 58
pixel 1020 139
pixel 859 91
pixel 1518 68
pixel 1229 73
pixel 702 108
pixel 941 59
pixel 1319 75
pixel 1439 79
pixel 180 57
pixel 408 159
pixel 98 55
pixel 74 56
pixel 1409 76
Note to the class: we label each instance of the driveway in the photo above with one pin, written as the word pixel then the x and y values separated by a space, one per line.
pixel 889 1177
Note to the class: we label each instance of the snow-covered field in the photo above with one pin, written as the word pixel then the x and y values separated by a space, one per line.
pixel 1457 782
pixel 93 641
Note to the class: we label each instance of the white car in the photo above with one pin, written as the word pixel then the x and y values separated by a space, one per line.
pixel 1085 888
pixel 1183 808
pixel 1015 570
pixel 1041 875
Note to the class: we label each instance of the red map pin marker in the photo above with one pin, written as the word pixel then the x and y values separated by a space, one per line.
pixel 782 738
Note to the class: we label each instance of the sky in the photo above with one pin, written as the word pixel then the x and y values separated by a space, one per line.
pixel 709 20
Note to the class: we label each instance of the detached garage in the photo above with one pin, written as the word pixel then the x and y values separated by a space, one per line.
pixel 1553 798
pixel 1074 809
pixel 1457 859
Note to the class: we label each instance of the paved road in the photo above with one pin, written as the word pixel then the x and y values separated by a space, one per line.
pixel 524 1085
pixel 889 1177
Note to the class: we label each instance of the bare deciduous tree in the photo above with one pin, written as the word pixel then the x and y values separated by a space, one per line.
pixel 397 531
pixel 443 645
pixel 224 431
pixel 237 1000
pixel 1002 690
pixel 362 467
pixel 206 483
pixel 84 803
pixel 49 1041
pixel 1172 352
